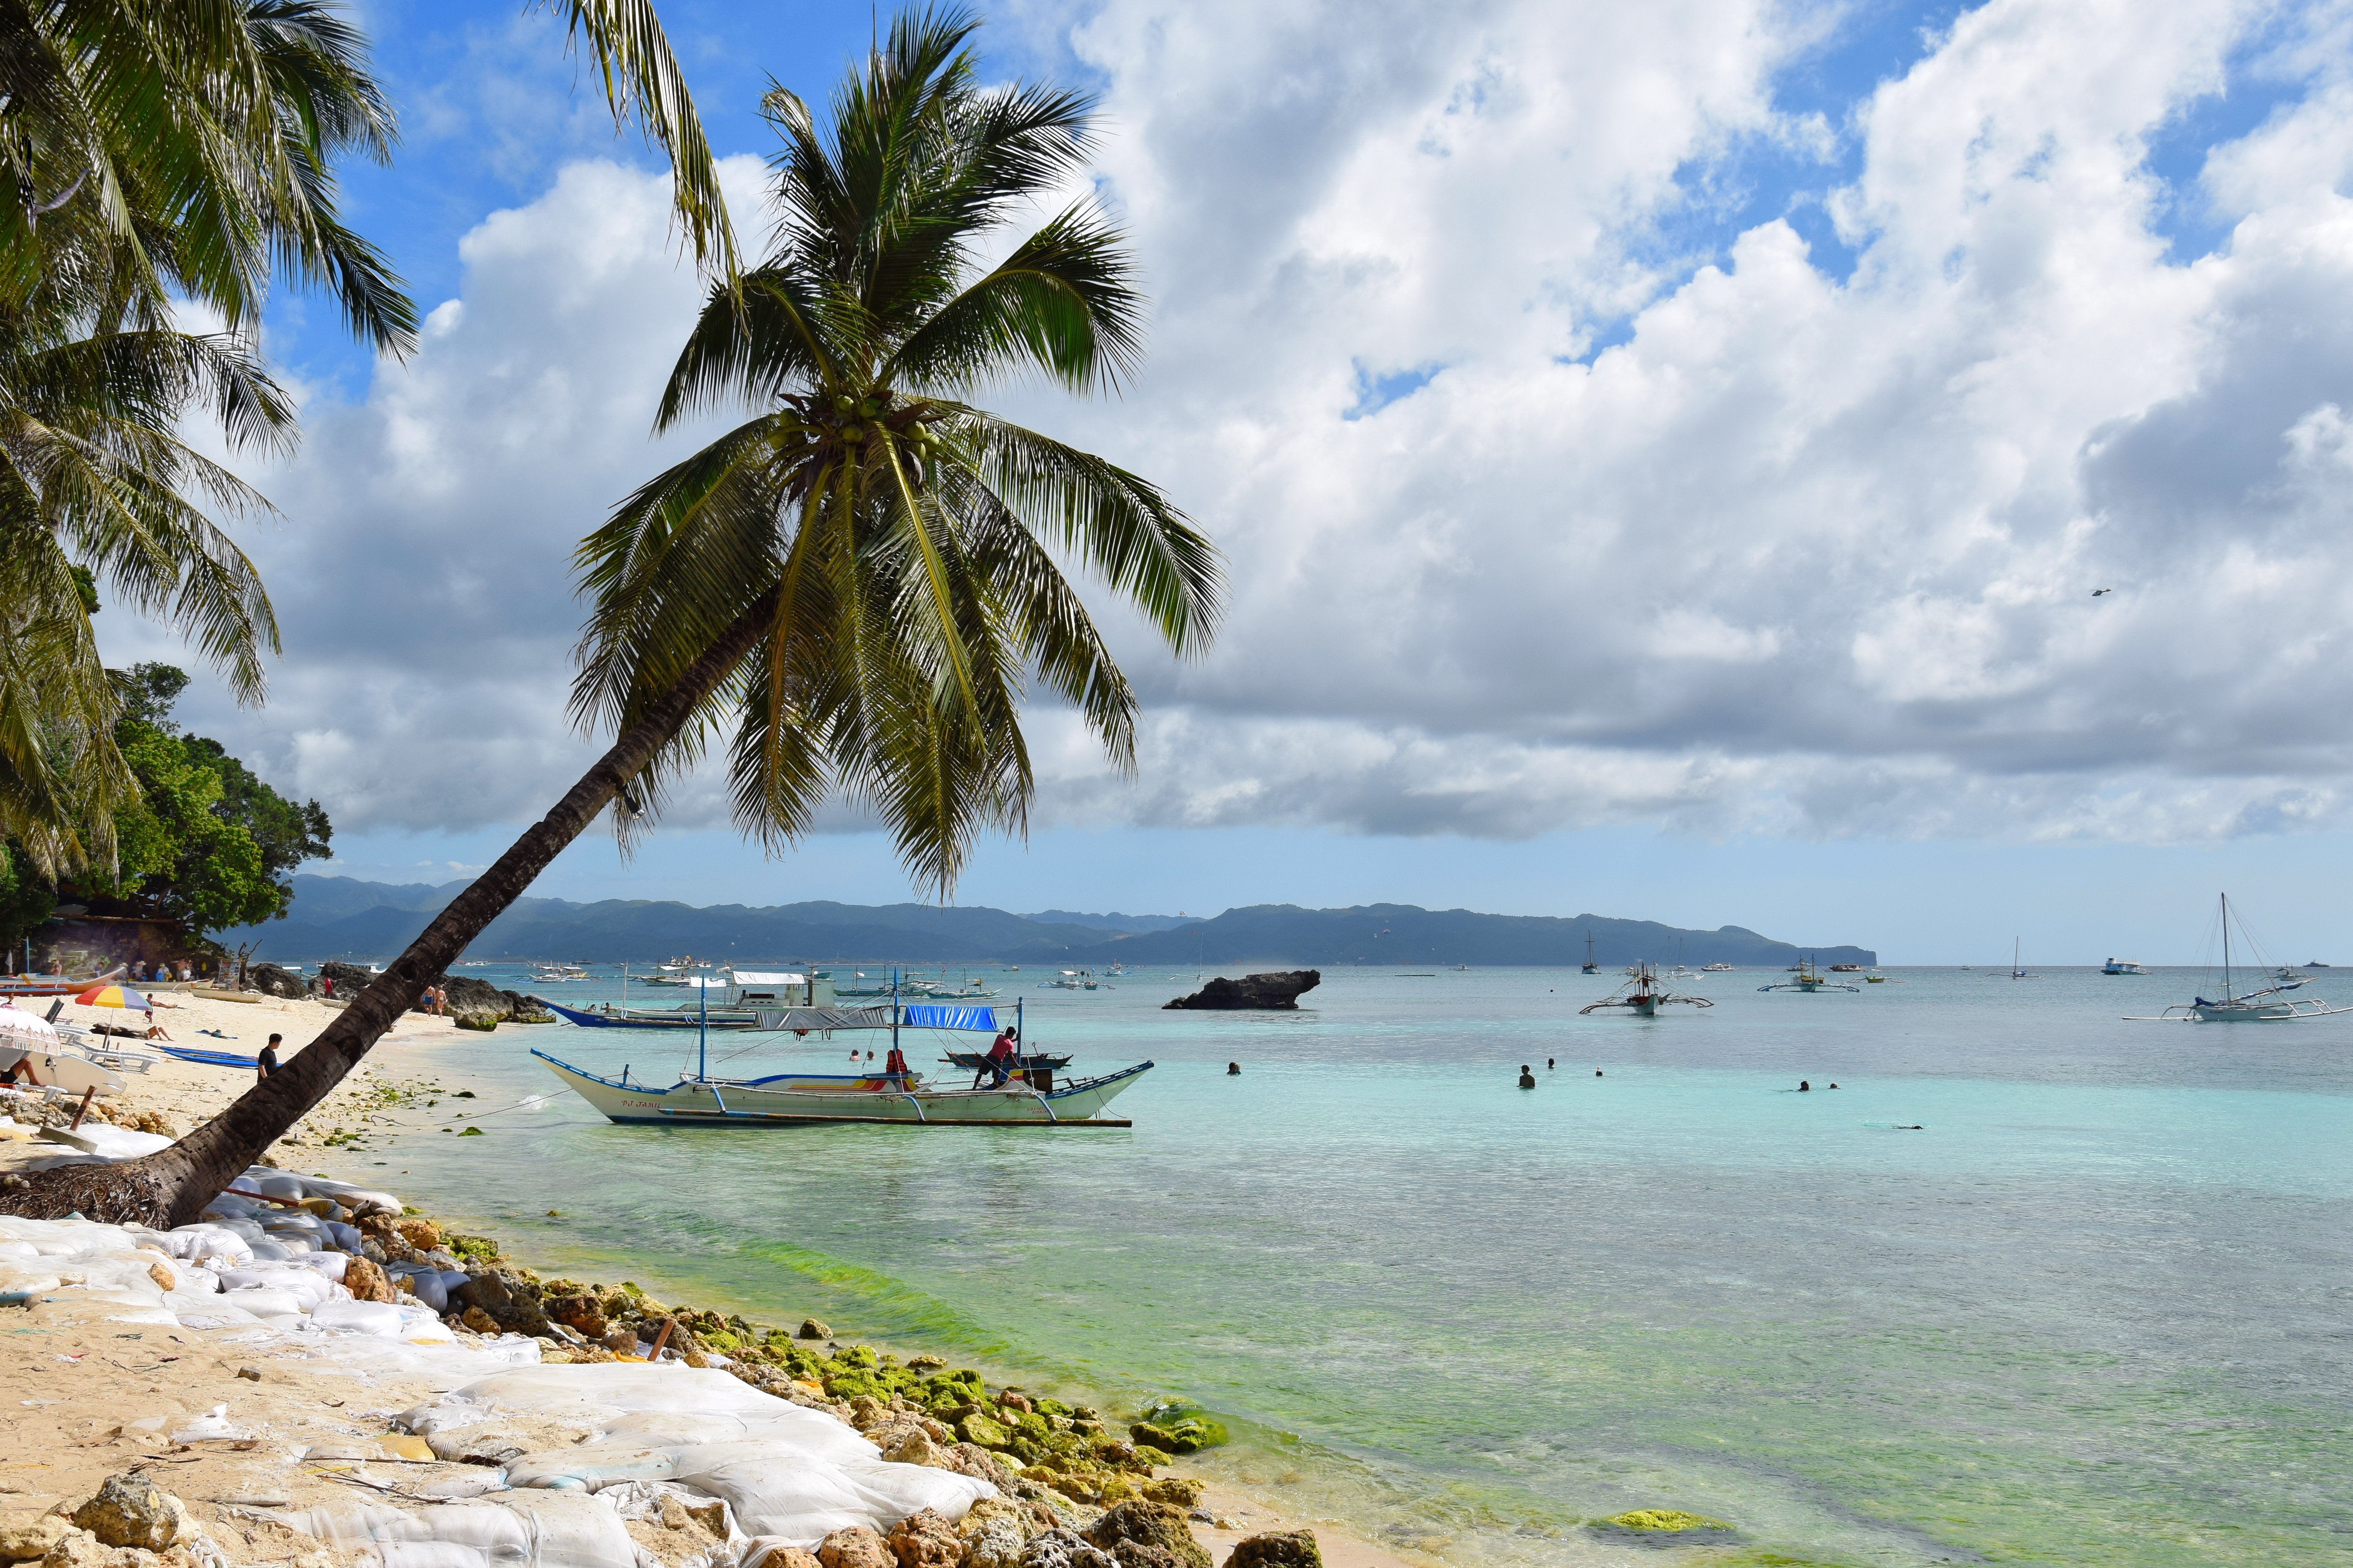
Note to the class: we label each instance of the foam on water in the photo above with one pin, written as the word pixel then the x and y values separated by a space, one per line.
pixel 2091 1313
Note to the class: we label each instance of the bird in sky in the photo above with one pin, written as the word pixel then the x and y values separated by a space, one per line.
pixel 2097 592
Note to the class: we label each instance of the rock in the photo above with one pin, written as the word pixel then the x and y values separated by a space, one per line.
pixel 367 1282
pixel 131 1510
pixel 972 1459
pixel 419 1232
pixel 1150 1524
pixel 709 1515
pixel 482 1322
pixel 26 1538
pixel 1668 1519
pixel 813 1329
pixel 925 1539
pixel 1280 1549
pixel 1008 1400
pixel 855 1547
pixel 994 1531
pixel 915 1448
pixel 1134 1554
pixel 511 1301
pixel 787 1557
pixel 621 1341
pixel 1176 1491
pixel 1274 992
pixel 581 1314
pixel 272 981
pixel 1061 1549
pixel 79 1549
pixel 982 1432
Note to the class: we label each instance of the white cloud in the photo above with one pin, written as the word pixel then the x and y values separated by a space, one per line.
pixel 1802 554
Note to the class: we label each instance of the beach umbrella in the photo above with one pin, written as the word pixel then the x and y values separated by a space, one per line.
pixel 27 1029
pixel 112 996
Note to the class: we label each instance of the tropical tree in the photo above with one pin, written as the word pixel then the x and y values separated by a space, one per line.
pixel 858 581
pixel 188 147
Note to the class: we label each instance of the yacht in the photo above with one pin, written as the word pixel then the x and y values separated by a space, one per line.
pixel 2121 966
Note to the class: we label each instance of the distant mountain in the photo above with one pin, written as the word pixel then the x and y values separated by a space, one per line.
pixel 336 917
pixel 1114 921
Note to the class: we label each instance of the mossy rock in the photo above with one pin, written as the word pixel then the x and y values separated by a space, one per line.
pixel 1663 1519
pixel 861 1356
pixel 720 1339
pixel 472 1249
pixel 471 1133
pixel 1050 1407
pixel 979 1429
pixel 852 1384
pixel 1189 1427
pixel 480 1023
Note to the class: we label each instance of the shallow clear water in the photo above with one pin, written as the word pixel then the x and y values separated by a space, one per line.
pixel 2094 1312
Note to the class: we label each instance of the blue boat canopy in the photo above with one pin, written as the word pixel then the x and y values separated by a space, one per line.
pixel 933 1016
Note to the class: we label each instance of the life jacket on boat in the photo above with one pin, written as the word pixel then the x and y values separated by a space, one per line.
pixel 895 1063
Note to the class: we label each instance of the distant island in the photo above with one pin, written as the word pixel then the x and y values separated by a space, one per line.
pixel 337 917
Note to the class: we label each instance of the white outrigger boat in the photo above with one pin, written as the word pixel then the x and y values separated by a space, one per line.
pixel 2271 1004
pixel 1030 1098
pixel 1808 979
pixel 1642 997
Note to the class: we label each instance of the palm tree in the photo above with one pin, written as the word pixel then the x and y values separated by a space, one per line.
pixel 166 144
pixel 858 579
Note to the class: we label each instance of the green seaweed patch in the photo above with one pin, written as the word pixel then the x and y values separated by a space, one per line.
pixel 1665 1526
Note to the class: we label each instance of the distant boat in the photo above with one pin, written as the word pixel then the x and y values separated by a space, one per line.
pixel 1589 967
pixel 1642 997
pixel 2270 1004
pixel 1809 980
pixel 2015 971
pixel 2121 966
pixel 1716 968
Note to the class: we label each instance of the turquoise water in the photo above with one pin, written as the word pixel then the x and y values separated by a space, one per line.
pixel 2094 1312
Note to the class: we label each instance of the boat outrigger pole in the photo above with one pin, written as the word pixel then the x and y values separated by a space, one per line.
pixel 702 1034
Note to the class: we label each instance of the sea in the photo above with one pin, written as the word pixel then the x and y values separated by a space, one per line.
pixel 2031 1284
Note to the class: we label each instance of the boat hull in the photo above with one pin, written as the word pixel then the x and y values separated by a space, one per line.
pixel 791 1101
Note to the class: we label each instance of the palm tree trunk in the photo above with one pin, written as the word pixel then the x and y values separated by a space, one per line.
pixel 172 1186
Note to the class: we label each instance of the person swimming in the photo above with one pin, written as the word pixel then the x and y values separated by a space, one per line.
pixel 1549 1064
pixel 1233 1069
pixel 1597 1072
pixel 1805 1088
pixel 1527 1078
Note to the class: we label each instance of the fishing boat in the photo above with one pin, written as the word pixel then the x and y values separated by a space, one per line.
pixel 1807 978
pixel 1643 996
pixel 2121 966
pixel 802 1098
pixel 2270 1004
pixel 1717 968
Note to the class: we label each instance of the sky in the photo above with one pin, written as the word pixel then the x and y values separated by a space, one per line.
pixel 1665 457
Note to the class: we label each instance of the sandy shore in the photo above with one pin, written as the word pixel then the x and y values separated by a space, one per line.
pixel 102 1396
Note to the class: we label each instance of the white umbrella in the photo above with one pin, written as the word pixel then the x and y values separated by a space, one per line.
pixel 20 1027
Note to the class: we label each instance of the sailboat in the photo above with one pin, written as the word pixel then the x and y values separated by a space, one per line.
pixel 1809 980
pixel 1589 967
pixel 2270 1004
pixel 2016 972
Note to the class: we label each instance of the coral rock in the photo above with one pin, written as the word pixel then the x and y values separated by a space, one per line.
pixel 789 1557
pixel 367 1282
pixel 581 1314
pixel 994 1532
pixel 979 1431
pixel 27 1538
pixel 1061 1549
pixel 482 1322
pixel 1280 1549
pixel 813 1329
pixel 131 1510
pixel 855 1547
pixel 1177 1491
pixel 419 1232
pixel 914 1449
pixel 1150 1524
pixel 926 1539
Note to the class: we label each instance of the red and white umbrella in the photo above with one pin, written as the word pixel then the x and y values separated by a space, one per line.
pixel 18 1028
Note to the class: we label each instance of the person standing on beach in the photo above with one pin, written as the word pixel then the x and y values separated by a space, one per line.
pixel 267 1062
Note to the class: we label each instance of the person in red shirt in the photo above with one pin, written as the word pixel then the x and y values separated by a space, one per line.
pixel 1000 1059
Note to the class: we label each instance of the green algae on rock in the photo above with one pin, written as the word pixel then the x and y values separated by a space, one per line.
pixel 1663 1519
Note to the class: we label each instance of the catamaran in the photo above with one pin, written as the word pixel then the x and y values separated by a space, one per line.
pixel 1643 996
pixel 2270 1004
pixel 1030 1097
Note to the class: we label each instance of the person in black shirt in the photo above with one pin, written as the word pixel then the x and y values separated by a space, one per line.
pixel 267 1062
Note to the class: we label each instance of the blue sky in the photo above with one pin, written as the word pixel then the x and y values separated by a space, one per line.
pixel 1665 457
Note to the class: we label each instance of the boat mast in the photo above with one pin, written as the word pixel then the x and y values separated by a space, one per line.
pixel 2226 947
pixel 702 1029
pixel 894 1006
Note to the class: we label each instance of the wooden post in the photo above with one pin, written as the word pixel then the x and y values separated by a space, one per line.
pixel 82 1110
pixel 661 1338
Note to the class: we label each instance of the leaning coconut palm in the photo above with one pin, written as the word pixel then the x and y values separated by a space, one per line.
pixel 856 580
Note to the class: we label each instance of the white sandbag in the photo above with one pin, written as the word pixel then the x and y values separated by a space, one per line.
pixel 543 1530
pixel 194 1243
pixel 110 1143
pixel 273 1183
pixel 333 1265
pixel 380 1319
pixel 266 1301
pixel 425 1284
pixel 347 1237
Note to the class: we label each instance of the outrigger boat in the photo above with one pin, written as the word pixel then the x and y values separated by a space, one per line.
pixel 1807 978
pixel 1030 1098
pixel 1642 997
pixel 2271 1004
